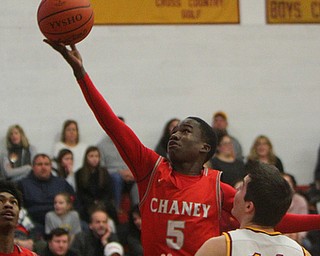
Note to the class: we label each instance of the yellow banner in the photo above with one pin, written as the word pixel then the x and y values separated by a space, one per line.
pixel 293 11
pixel 165 11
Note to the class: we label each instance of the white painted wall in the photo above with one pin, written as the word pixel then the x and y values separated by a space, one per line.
pixel 266 77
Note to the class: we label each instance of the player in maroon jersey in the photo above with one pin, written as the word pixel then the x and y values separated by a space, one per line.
pixel 10 204
pixel 180 200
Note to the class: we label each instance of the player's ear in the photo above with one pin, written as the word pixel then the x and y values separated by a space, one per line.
pixel 205 148
pixel 249 207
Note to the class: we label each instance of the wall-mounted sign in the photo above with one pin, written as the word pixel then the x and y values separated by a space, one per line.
pixel 293 11
pixel 122 12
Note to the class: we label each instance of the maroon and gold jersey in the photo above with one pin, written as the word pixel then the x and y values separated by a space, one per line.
pixel 179 211
pixel 257 242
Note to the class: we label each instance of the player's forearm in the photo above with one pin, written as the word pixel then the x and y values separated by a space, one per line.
pixel 292 223
pixel 79 73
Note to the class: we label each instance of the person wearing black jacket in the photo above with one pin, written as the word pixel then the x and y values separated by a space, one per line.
pixel 58 244
pixel 92 242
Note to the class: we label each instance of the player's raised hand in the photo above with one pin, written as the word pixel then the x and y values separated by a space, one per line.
pixel 72 56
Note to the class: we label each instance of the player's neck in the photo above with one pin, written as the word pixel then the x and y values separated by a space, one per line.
pixel 255 226
pixel 6 242
pixel 191 169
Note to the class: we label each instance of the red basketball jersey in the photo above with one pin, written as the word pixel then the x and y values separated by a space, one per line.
pixel 179 212
pixel 19 251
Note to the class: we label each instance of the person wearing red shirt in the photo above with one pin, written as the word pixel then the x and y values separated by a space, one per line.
pixel 180 200
pixel 10 204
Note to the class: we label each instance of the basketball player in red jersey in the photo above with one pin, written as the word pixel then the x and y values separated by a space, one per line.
pixel 10 204
pixel 180 200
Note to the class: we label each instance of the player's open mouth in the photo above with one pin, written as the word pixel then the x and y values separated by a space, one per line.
pixel 8 215
pixel 173 143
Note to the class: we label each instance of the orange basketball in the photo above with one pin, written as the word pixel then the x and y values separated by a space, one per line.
pixel 65 21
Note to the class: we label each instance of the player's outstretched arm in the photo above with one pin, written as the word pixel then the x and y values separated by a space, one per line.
pixel 292 223
pixel 138 157
pixel 72 56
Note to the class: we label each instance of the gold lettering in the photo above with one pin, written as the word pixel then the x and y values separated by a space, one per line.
pixel 315 9
pixel 168 3
pixel 285 10
pixel 205 3
pixel 190 14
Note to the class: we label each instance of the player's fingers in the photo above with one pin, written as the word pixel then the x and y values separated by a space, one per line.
pixel 57 46
pixel 73 47
pixel 48 42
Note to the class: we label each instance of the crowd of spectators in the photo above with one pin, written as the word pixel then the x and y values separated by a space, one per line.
pixel 73 196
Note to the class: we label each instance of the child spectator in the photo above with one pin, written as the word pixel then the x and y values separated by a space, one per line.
pixel 63 216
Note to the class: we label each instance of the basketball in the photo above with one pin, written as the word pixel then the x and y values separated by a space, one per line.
pixel 65 21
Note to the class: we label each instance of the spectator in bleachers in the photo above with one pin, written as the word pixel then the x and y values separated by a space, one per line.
pixel 63 216
pixel 299 205
pixel 262 151
pixel 39 189
pixel 16 159
pixel 122 177
pixel 65 166
pixel 220 125
pixel 70 139
pixel 134 232
pixel 224 160
pixel 92 242
pixel 58 244
pixel 95 185
pixel 113 249
pixel 23 232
